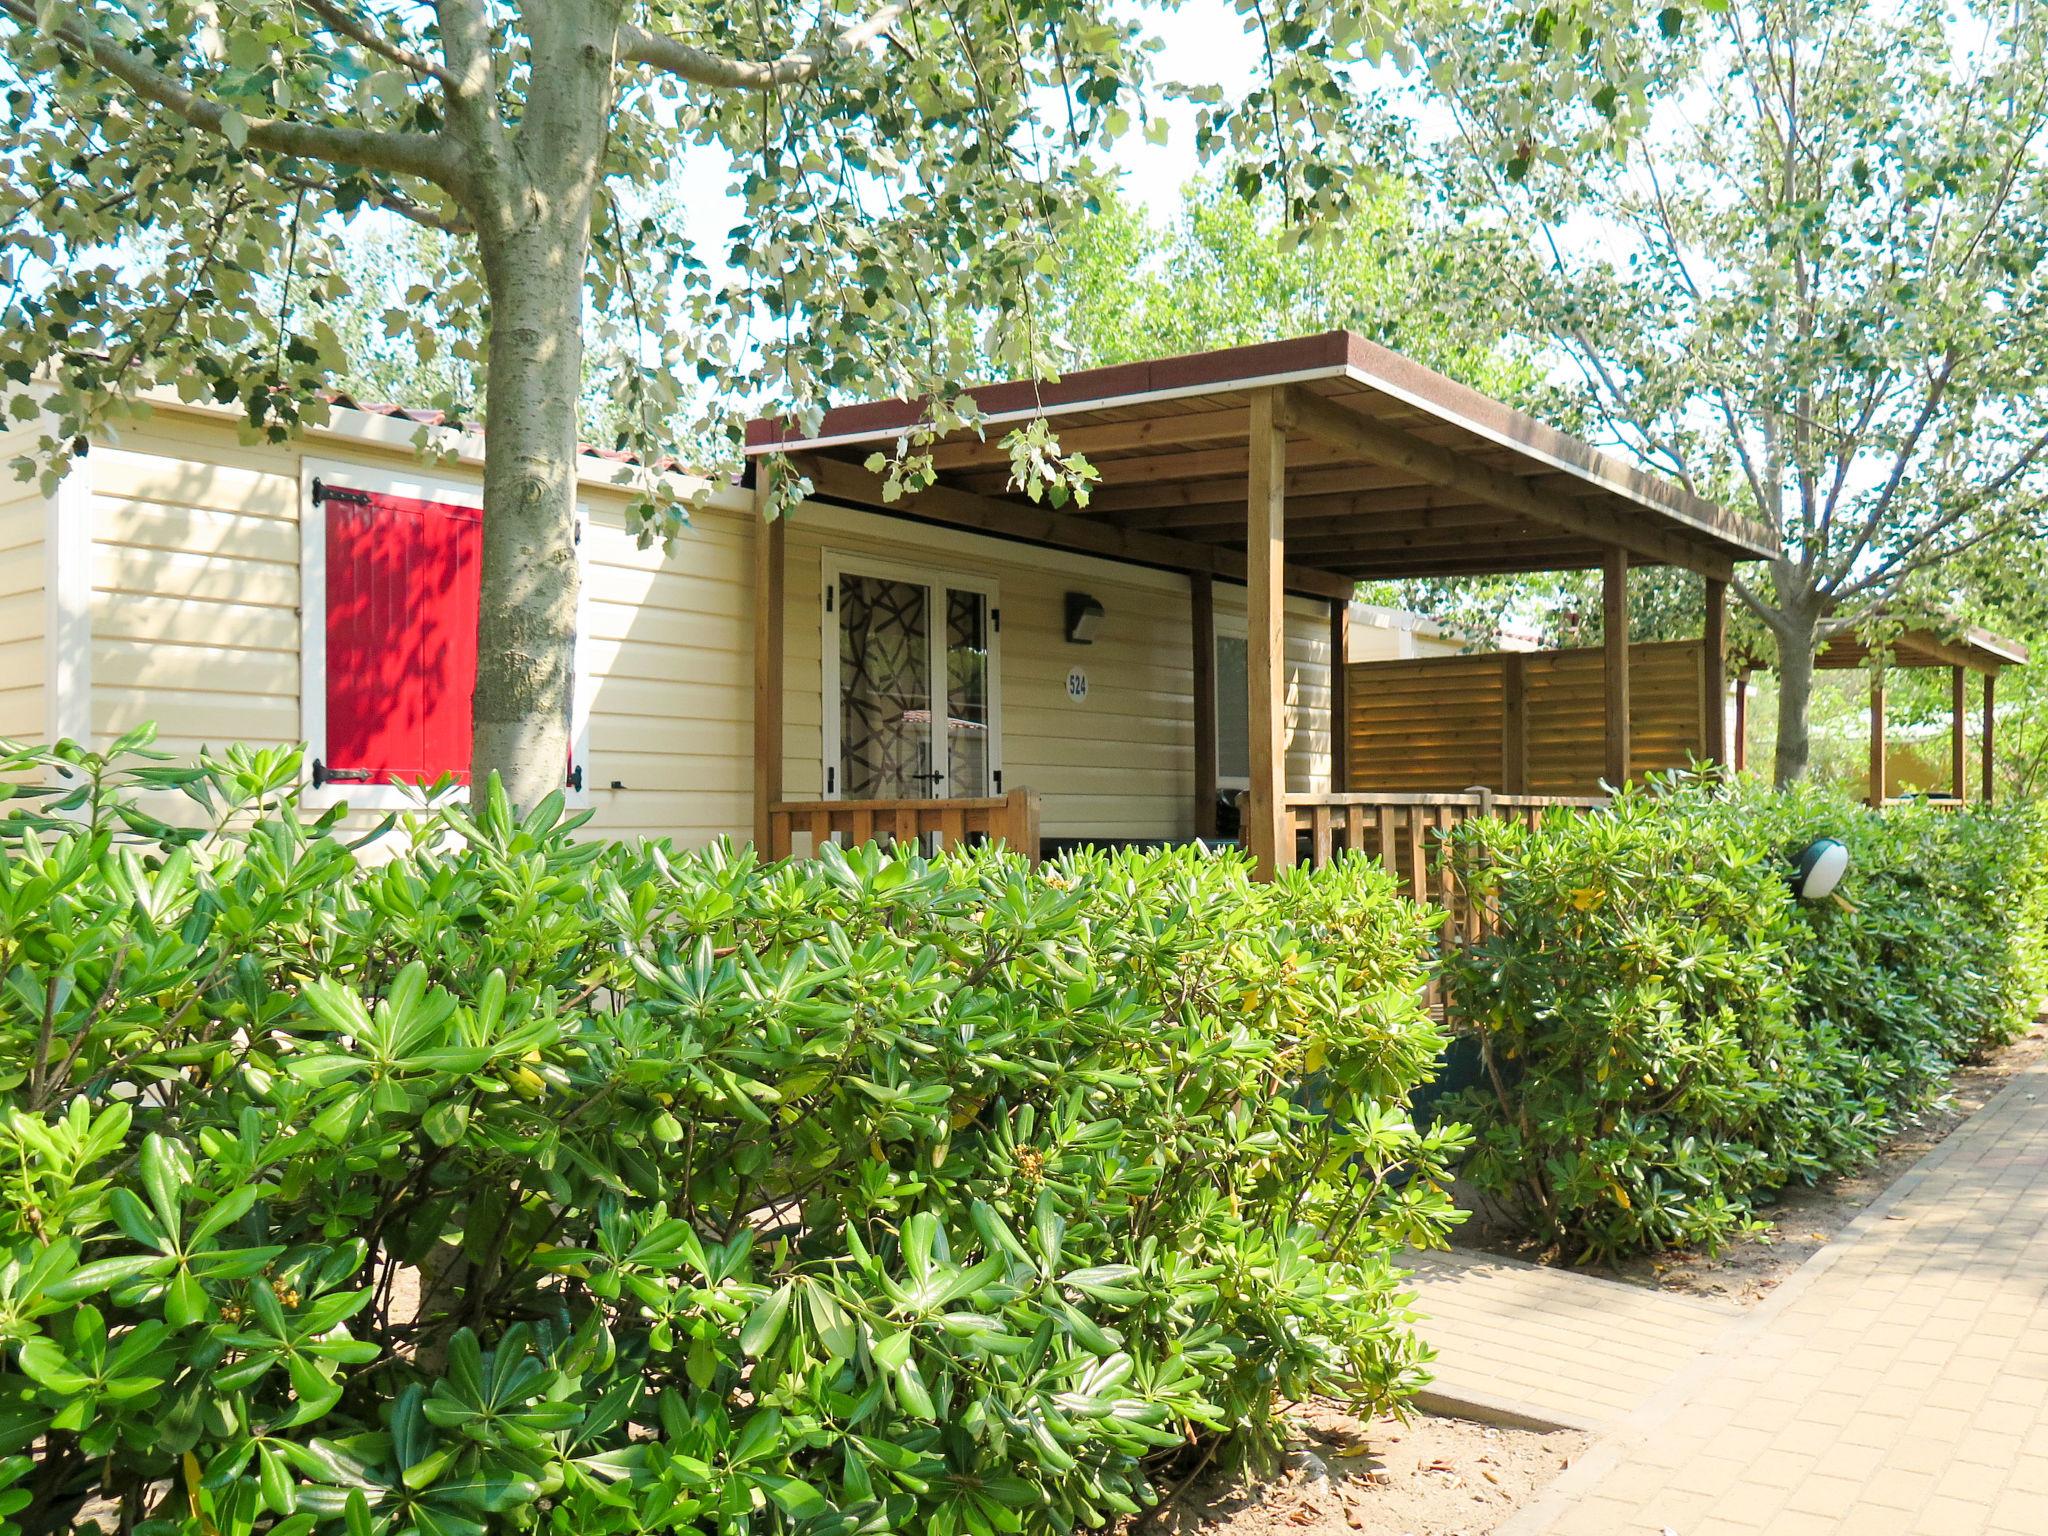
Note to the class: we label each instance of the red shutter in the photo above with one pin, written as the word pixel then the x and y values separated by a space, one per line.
pixel 402 582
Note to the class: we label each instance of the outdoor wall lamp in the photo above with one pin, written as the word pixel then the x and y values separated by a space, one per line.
pixel 1084 618
pixel 1819 869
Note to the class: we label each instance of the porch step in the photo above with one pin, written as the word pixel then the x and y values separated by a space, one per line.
pixel 1529 1345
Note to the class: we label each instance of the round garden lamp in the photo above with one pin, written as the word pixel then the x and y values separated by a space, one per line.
pixel 1819 868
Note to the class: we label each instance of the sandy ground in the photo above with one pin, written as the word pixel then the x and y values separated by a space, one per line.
pixel 1428 1477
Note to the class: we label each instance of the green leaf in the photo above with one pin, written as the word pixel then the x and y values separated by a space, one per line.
pixel 764 1324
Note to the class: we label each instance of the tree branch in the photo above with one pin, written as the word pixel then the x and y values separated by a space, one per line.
pixel 699 66
pixel 391 200
pixel 427 156
pixel 340 21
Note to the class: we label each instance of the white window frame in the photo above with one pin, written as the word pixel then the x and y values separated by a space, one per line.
pixel 1231 625
pixel 418 485
pixel 836 563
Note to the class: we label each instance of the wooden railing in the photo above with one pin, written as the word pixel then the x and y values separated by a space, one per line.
pixel 1403 832
pixel 1932 802
pixel 1395 828
pixel 1010 819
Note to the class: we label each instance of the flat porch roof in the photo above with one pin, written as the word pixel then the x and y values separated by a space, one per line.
pixel 1391 470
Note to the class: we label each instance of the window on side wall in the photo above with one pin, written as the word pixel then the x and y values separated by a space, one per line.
pixel 390 580
pixel 1233 728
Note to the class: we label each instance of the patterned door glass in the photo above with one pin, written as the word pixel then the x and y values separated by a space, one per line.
pixel 885 691
pixel 967 711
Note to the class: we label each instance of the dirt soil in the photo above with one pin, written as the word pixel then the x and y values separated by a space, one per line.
pixel 1804 1218
pixel 1429 1477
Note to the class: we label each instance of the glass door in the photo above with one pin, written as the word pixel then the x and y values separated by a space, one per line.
pixel 910 685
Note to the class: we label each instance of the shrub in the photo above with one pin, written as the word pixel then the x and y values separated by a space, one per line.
pixel 1669 1037
pixel 522 1182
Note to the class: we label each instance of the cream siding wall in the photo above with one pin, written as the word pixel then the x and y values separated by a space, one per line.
pixel 23 603
pixel 24 517
pixel 195 589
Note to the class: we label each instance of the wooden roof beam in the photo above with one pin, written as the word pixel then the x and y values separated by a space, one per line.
pixel 1162 469
pixel 839 480
pixel 1115 495
pixel 1153 432
pixel 1346 430
pixel 1304 512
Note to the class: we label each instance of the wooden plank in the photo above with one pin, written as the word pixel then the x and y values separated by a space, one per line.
pixel 1319 837
pixel 1025 811
pixel 1389 850
pixel 1387 444
pixel 1266 638
pixel 1340 714
pixel 1418 862
pixel 1879 786
pixel 1514 724
pixel 1354 828
pixel 1714 674
pixel 1202 601
pixel 1614 644
pixel 1990 727
pixel 1958 743
pixel 841 481
pixel 770 565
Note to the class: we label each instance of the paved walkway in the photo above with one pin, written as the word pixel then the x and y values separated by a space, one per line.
pixel 1898 1383
pixel 1522 1344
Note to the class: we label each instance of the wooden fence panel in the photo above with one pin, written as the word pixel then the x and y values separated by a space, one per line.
pixel 1443 723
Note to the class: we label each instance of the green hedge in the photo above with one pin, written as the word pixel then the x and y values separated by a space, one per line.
pixel 1668 1035
pixel 524 1183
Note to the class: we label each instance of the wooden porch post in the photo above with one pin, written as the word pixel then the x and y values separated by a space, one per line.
pixel 1714 674
pixel 1958 743
pixel 770 554
pixel 1614 620
pixel 1340 697
pixel 1514 723
pixel 1267 832
pixel 1878 784
pixel 1990 695
pixel 1202 602
pixel 1742 721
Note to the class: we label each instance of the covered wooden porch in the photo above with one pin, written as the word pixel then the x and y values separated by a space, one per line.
pixel 1299 468
pixel 1967 650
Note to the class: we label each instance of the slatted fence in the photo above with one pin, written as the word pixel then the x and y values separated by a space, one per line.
pixel 1519 722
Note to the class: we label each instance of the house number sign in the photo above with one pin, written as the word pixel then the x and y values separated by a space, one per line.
pixel 1077 686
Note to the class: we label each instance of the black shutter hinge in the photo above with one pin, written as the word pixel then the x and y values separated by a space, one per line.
pixel 998 777
pixel 576 777
pixel 323 492
pixel 322 774
pixel 995 620
pixel 831 781
pixel 828 598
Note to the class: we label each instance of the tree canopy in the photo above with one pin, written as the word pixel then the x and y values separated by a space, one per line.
pixel 1812 291
pixel 900 166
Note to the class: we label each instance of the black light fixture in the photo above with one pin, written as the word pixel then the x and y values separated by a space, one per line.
pixel 1819 868
pixel 1084 618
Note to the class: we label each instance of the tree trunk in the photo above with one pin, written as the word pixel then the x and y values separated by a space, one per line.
pixel 1797 642
pixel 526 621
pixel 533 234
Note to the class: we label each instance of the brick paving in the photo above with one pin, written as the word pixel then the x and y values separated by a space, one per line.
pixel 1539 1346
pixel 1897 1385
